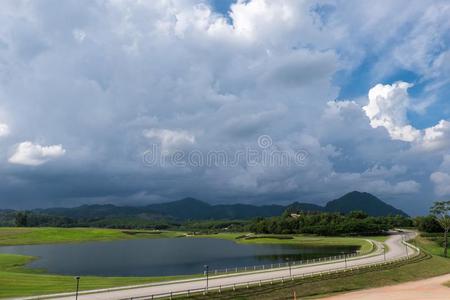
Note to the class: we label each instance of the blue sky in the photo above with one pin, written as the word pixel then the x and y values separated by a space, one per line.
pixel 358 81
pixel 357 90
pixel 221 6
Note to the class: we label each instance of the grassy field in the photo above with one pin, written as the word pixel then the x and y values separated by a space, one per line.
pixel 17 280
pixel 29 236
pixel 302 240
pixel 431 242
pixel 424 267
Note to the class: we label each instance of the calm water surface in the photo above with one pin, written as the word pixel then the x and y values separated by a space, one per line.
pixel 158 257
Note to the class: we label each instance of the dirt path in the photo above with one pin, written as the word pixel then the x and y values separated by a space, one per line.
pixel 428 289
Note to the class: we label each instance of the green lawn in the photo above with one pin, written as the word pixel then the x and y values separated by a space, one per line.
pixel 15 280
pixel 431 243
pixel 302 240
pixel 29 236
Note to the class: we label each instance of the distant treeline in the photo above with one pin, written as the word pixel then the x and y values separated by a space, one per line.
pixel 428 224
pixel 321 223
pixel 353 223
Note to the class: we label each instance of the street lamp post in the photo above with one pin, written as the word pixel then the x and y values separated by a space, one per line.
pixel 289 265
pixel 406 246
pixel 78 285
pixel 345 259
pixel 207 275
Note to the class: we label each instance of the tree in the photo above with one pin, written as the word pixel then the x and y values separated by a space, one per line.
pixel 428 224
pixel 441 211
pixel 21 219
pixel 357 214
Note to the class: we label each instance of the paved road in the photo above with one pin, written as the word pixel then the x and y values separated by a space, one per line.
pixel 394 243
pixel 429 289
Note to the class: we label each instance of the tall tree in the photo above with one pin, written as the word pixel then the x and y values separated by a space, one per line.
pixel 21 219
pixel 441 211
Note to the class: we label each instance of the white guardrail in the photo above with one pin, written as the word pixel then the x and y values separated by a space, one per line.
pixel 295 263
pixel 281 279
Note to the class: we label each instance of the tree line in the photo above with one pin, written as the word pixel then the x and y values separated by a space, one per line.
pixel 328 224
pixel 321 223
pixel 290 222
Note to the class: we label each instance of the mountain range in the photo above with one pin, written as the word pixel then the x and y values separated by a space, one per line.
pixel 194 209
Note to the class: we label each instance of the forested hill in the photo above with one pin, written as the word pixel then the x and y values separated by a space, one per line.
pixel 365 202
pixel 184 209
pixel 193 209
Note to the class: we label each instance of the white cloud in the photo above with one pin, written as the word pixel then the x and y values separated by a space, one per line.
pixel 387 107
pixel 170 139
pixel 79 35
pixel 30 154
pixel 441 182
pixel 384 187
pixel 4 130
pixel 441 177
pixel 437 137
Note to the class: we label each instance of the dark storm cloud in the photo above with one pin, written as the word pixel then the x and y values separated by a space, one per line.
pixel 86 88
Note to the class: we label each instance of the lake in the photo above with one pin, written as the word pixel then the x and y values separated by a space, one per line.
pixel 162 256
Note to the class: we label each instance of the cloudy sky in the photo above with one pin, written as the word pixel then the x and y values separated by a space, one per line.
pixel 89 88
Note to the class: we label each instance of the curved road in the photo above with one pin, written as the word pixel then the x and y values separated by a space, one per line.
pixel 394 243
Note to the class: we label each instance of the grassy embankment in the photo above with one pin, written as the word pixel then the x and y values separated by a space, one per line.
pixel 29 236
pixel 425 266
pixel 17 280
pixel 302 240
pixel 432 242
